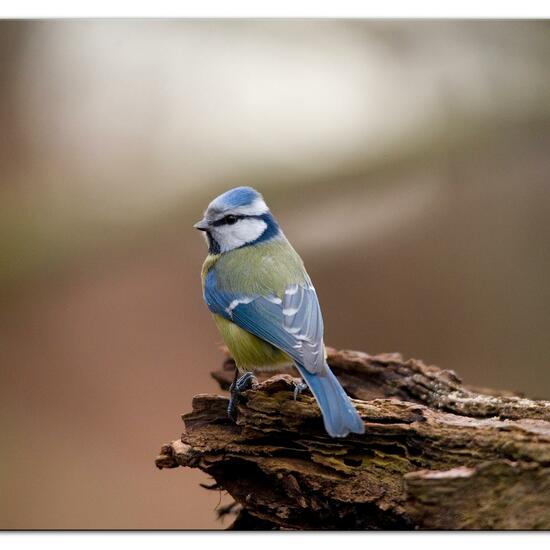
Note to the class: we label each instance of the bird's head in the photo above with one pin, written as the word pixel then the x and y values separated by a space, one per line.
pixel 239 217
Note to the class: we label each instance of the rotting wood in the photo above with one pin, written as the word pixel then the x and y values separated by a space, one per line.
pixel 437 454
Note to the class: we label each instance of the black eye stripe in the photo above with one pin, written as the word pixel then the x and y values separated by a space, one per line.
pixel 228 220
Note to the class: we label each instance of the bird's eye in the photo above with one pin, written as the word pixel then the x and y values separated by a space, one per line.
pixel 230 220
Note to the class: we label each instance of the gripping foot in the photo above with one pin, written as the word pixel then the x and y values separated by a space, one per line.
pixel 299 388
pixel 239 385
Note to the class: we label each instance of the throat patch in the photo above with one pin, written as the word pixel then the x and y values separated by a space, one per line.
pixel 213 245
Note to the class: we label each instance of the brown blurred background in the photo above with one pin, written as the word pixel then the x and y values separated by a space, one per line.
pixel 408 162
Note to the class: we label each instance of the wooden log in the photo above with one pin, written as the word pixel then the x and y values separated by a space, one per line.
pixel 437 454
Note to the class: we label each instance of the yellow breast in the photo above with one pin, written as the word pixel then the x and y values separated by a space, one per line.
pixel 248 350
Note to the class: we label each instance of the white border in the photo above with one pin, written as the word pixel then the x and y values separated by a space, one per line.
pixel 273 541
pixel 505 9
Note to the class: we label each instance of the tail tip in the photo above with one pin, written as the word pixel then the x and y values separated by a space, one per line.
pixel 355 426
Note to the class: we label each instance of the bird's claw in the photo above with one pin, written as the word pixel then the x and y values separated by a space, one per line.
pixel 298 389
pixel 245 382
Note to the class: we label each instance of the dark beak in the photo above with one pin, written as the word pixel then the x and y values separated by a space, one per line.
pixel 202 225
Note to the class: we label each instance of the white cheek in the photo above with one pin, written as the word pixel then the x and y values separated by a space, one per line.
pixel 243 232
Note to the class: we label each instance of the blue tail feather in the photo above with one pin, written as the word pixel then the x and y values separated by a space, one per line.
pixel 339 414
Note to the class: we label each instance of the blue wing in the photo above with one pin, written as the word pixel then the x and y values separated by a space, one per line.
pixel 293 324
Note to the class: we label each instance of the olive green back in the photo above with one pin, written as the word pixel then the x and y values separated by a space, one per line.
pixel 264 269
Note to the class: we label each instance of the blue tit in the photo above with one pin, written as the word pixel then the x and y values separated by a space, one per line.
pixel 264 304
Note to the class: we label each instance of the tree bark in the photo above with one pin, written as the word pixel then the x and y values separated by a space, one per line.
pixel 437 454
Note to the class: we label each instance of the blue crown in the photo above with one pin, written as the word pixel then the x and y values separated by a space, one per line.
pixel 238 196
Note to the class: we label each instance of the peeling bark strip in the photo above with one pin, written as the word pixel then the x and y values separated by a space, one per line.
pixel 436 454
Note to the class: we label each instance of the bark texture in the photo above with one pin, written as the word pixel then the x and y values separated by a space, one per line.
pixel 437 454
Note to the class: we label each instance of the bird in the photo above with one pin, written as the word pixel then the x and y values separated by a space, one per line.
pixel 265 306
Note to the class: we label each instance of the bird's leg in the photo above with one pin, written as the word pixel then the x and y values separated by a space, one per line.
pixel 299 388
pixel 232 399
pixel 239 385
pixel 235 378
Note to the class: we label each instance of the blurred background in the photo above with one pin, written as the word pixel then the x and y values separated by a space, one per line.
pixel 407 161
